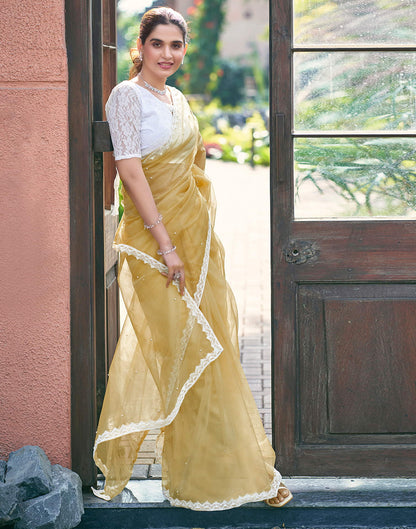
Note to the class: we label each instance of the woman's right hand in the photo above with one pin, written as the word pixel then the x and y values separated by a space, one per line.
pixel 176 268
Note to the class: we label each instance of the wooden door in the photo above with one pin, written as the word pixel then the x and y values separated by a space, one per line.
pixel 104 33
pixel 344 281
pixel 91 48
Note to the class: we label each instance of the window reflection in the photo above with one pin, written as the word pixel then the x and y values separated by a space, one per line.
pixel 350 177
pixel 355 91
pixel 354 22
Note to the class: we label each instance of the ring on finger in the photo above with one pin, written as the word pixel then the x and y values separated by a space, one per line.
pixel 177 276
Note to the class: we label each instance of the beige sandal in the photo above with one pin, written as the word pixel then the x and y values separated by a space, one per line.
pixel 285 500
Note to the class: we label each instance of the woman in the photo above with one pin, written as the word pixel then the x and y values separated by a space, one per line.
pixel 176 366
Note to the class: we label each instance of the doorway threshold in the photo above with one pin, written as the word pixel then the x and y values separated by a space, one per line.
pixel 324 502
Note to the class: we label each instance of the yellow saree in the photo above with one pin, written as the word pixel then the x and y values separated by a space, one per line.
pixel 176 366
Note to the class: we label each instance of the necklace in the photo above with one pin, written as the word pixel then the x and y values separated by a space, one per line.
pixel 150 87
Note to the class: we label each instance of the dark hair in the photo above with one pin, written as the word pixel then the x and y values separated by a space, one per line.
pixel 151 19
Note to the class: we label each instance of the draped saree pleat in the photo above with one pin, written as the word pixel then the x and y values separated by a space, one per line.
pixel 176 366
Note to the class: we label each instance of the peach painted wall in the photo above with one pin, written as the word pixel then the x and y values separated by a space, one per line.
pixel 34 216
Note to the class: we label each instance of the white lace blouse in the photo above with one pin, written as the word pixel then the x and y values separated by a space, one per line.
pixel 139 121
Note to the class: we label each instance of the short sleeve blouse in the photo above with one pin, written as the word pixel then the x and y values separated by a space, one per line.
pixel 139 121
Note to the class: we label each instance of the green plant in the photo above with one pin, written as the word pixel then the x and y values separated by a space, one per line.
pixel 127 31
pixel 377 175
pixel 198 75
pixel 231 82
pixel 247 142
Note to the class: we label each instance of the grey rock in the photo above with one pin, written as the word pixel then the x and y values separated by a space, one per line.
pixel 61 508
pixel 9 497
pixel 30 469
pixel 3 466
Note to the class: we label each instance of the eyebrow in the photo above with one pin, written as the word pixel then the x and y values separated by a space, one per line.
pixel 173 41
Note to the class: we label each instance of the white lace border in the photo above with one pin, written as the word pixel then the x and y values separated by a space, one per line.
pixel 228 504
pixel 217 505
pixel 217 349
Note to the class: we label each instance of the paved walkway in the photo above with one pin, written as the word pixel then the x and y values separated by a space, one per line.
pixel 243 224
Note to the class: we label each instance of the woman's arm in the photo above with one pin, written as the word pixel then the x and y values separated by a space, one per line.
pixel 136 185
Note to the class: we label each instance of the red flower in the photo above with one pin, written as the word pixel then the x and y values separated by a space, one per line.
pixel 191 10
pixel 220 72
pixel 213 150
pixel 210 24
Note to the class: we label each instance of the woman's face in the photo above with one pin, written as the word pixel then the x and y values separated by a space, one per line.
pixel 162 51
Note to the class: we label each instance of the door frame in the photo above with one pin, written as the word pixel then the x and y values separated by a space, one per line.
pixel 281 207
pixel 86 299
pixel 89 138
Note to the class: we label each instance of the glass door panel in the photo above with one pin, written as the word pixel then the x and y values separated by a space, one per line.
pixel 354 108
pixel 355 91
pixel 355 177
pixel 363 22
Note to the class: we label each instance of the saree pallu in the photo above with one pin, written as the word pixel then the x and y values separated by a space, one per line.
pixel 177 366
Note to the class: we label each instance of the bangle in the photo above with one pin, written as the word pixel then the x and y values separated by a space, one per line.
pixel 165 252
pixel 150 226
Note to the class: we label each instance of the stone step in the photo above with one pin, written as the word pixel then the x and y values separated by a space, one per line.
pixel 318 503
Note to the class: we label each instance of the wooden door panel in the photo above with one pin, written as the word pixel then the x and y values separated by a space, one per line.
pixel 356 379
pixel 371 387
pixel 355 372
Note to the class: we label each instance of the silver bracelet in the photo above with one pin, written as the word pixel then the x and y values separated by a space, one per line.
pixel 150 226
pixel 165 252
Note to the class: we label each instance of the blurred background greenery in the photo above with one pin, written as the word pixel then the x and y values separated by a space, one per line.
pixel 350 91
pixel 228 95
